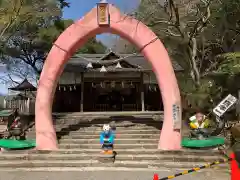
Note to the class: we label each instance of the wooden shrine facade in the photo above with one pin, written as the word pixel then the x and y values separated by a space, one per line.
pixel 126 85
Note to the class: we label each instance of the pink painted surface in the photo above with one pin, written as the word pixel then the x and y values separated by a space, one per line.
pixel 73 38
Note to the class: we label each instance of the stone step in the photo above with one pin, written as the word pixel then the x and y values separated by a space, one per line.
pixel 66 129
pixel 125 157
pixel 223 173
pixel 113 115
pixel 97 132
pixel 117 141
pixel 98 146
pixel 126 131
pixel 100 127
pixel 96 163
pixel 118 131
pixel 101 123
pixel 155 151
pixel 106 115
pixel 122 136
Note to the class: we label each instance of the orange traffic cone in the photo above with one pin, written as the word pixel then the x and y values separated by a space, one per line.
pixel 155 177
pixel 235 170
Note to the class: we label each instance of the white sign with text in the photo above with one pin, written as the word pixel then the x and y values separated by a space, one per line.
pixel 225 105
pixel 176 116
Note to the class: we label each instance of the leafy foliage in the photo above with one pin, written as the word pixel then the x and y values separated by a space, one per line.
pixel 93 47
pixel 203 37
pixel 231 63
pixel 27 41
pixel 18 14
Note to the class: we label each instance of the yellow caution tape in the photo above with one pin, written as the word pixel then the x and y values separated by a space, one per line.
pixel 197 168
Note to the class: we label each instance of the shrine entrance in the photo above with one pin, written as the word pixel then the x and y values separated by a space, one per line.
pixel 115 99
pixel 106 18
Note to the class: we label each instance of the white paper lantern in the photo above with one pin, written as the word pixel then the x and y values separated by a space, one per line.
pixel 103 69
pixel 89 66
pixel 118 66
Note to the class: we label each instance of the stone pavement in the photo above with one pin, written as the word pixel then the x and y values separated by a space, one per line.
pixel 109 175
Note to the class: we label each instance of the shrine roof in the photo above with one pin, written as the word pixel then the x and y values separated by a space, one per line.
pixel 131 63
pixel 24 85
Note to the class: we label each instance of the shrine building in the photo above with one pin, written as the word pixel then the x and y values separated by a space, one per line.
pixel 102 82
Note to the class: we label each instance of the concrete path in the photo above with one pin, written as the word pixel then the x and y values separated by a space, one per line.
pixel 109 175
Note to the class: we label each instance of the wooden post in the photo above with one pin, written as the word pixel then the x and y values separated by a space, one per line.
pixel 28 106
pixel 4 104
pixel 142 91
pixel 82 91
pixel 238 106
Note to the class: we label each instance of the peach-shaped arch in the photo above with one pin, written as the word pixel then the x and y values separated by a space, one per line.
pixel 74 37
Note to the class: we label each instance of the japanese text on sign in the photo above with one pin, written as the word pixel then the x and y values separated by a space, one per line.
pixel 102 13
pixel 224 105
pixel 176 117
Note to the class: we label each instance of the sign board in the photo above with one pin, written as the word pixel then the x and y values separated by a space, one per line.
pixel 238 104
pixel 103 14
pixel 176 116
pixel 224 105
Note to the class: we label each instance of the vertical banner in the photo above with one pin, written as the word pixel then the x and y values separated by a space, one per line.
pixel 177 116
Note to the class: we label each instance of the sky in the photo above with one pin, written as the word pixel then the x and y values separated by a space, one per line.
pixel 77 10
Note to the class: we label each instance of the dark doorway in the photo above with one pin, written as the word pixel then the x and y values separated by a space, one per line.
pixel 67 99
pixel 110 98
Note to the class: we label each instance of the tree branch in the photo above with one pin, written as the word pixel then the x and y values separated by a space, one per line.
pixel 9 76
pixel 161 22
pixel 171 33
pixel 174 10
pixel 12 19
pixel 193 48
pixel 203 20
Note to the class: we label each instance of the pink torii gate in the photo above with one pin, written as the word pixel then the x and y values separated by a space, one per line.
pixel 106 18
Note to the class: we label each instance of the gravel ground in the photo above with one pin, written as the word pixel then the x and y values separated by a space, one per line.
pixel 108 175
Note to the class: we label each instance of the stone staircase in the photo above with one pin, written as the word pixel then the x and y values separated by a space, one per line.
pixel 136 146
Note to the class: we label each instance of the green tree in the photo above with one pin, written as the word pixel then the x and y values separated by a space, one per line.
pixel 25 51
pixel 195 33
pixel 122 46
pixel 92 46
pixel 25 43
pixel 17 13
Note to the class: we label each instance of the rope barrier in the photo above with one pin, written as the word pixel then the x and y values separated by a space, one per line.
pixel 193 169
pixel 221 161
